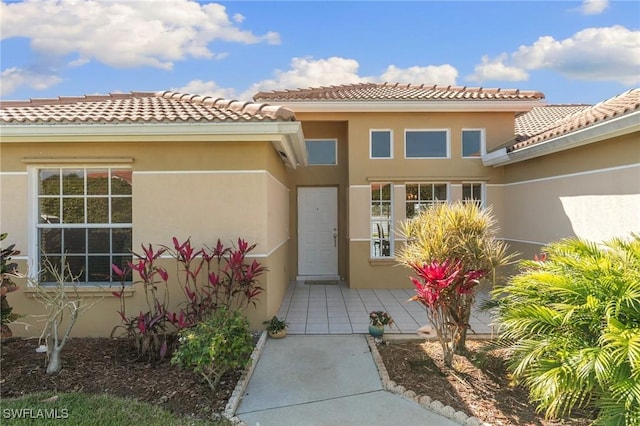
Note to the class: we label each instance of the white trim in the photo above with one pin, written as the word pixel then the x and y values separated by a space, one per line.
pixel 371 157
pixel 523 241
pixel 570 175
pixel 447 141
pixel 410 106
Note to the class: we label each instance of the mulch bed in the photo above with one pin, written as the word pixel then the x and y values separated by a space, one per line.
pixel 102 365
pixel 477 385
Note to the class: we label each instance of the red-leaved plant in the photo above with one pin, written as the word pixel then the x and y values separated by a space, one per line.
pixel 209 278
pixel 446 291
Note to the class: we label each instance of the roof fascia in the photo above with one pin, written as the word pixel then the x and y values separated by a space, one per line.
pixel 620 126
pixel 285 136
pixel 411 106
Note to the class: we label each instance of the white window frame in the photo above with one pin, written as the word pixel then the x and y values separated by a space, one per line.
pixel 371 131
pixel 448 143
pixel 419 201
pixel 483 149
pixel 380 242
pixel 483 192
pixel 34 258
pixel 335 148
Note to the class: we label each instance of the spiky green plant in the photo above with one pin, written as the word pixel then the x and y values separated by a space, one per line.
pixel 457 232
pixel 572 318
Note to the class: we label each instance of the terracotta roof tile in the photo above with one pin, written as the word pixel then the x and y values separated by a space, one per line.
pixel 584 116
pixel 396 92
pixel 138 107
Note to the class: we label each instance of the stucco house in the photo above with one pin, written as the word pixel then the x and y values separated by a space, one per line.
pixel 319 178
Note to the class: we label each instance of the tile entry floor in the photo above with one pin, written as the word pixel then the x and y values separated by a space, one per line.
pixel 338 309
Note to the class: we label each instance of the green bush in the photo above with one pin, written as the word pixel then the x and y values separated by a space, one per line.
pixel 215 346
pixel 572 318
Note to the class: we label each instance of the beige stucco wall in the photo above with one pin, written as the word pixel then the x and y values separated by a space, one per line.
pixel 203 190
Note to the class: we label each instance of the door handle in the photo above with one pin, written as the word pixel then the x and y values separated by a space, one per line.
pixel 335 237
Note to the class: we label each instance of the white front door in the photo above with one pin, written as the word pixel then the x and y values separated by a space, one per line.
pixel 318 232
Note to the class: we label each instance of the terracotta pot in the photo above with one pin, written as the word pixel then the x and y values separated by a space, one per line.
pixel 376 330
pixel 277 334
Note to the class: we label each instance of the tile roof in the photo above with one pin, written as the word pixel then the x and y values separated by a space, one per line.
pixel 397 92
pixel 546 123
pixel 138 107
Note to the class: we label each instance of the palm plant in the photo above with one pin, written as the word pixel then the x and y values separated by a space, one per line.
pixel 572 319
pixel 463 234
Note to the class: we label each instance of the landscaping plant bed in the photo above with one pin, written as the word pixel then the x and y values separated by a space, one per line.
pixel 102 365
pixel 478 384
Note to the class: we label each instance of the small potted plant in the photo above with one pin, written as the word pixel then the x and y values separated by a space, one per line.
pixel 276 328
pixel 377 321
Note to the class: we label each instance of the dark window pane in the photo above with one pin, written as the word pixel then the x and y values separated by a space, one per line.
pixel 466 192
pixel 426 192
pixel 412 191
pixel 121 240
pixel 411 210
pixel 74 240
pixel 73 182
pixel 97 210
pixel 50 241
pixel 97 182
pixel 386 192
pixel 426 144
pixel 49 182
pixel 98 240
pixel 47 264
pixel 73 210
pixel 77 269
pixel 99 268
pixel 471 143
pixel 440 192
pixel 49 210
pixel 121 182
pixel 321 152
pixel 122 262
pixel 375 191
pixel 381 144
pixel 121 210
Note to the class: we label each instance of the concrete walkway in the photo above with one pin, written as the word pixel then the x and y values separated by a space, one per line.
pixel 319 380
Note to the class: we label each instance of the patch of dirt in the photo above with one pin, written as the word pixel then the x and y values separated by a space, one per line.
pixel 477 385
pixel 101 365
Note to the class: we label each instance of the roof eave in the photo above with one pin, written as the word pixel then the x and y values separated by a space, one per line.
pixel 620 126
pixel 410 106
pixel 287 136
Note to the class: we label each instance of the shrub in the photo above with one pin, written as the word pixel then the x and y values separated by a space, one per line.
pixel 451 247
pixel 572 319
pixel 7 270
pixel 215 346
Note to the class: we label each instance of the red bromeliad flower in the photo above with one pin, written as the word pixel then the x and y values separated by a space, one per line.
pixel 434 277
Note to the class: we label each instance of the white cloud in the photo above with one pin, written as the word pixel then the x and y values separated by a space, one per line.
pixel 496 70
pixel 206 88
pixel 594 7
pixel 432 74
pixel 12 78
pixel 600 54
pixel 126 33
pixel 309 72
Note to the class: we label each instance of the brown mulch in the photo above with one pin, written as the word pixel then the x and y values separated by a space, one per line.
pixel 102 365
pixel 477 385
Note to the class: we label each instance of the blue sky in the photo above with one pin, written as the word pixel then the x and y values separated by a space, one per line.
pixel 572 51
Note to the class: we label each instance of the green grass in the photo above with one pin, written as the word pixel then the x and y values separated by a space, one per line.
pixel 96 410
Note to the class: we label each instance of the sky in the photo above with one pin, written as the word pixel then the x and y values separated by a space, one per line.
pixel 575 52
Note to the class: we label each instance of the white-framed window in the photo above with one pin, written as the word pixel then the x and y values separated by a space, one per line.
pixel 381 220
pixel 426 143
pixel 84 215
pixel 473 143
pixel 473 192
pixel 380 144
pixel 420 196
pixel 322 152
